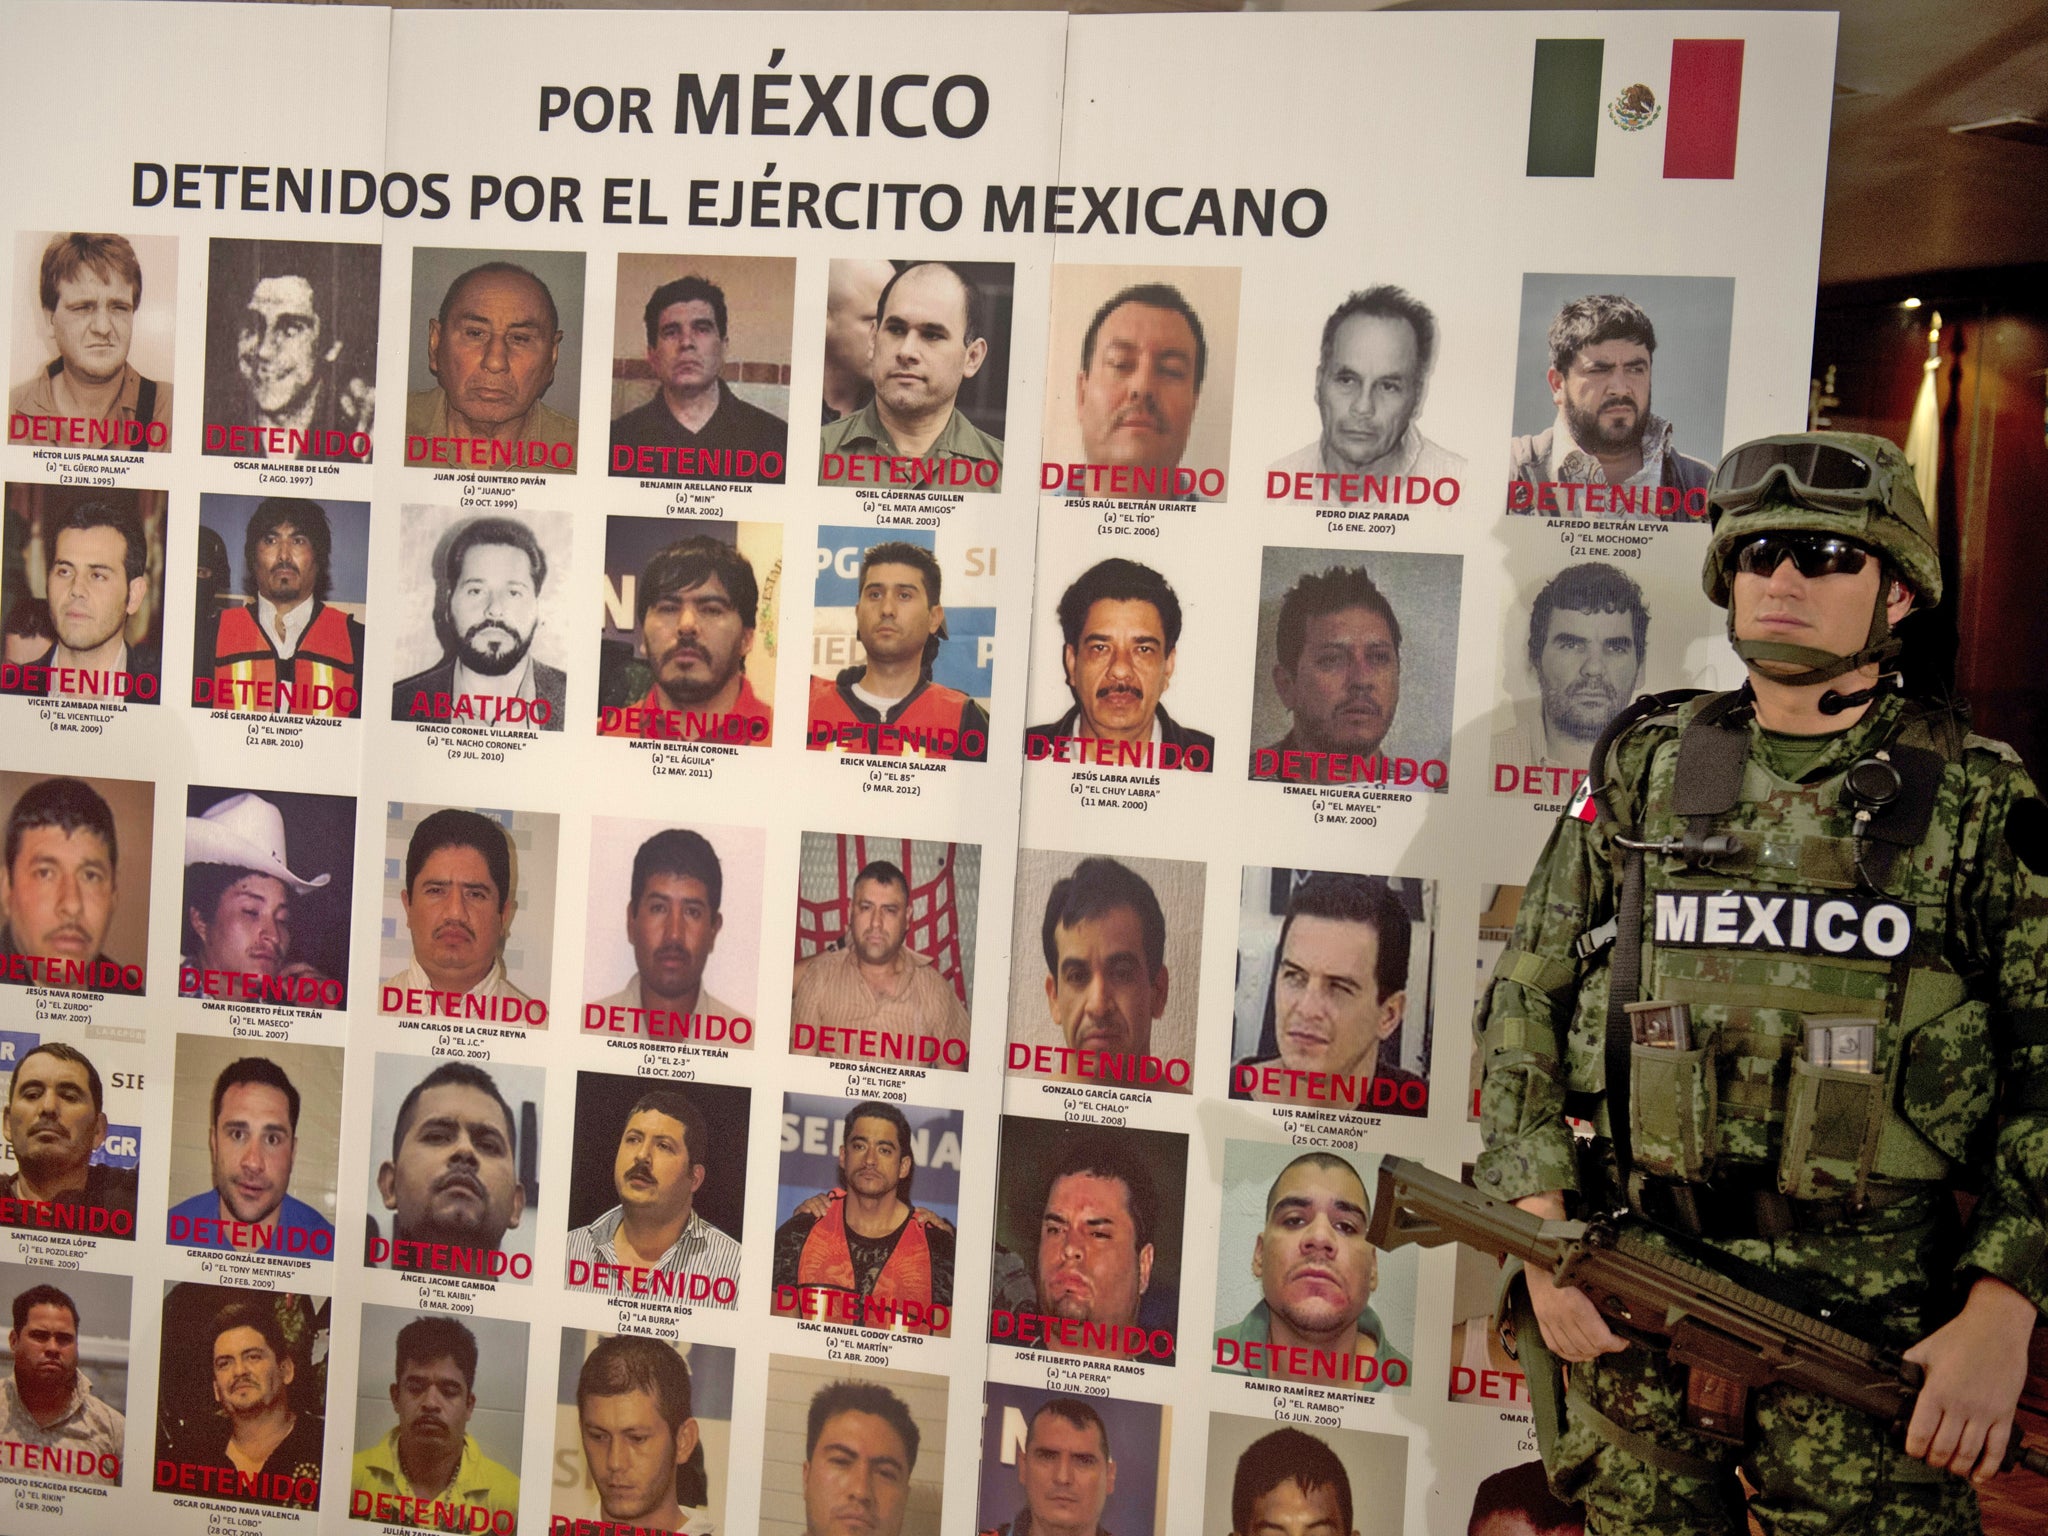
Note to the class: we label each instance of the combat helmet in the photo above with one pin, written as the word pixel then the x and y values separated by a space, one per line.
pixel 1846 484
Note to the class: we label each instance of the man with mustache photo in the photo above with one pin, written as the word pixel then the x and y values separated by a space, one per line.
pixel 1144 357
pixel 1336 666
pixel 46 1400
pixel 458 905
pixel 1605 433
pixel 55 1120
pixel 1120 624
pixel 258 1433
pixel 873 980
pixel 663 1157
pixel 673 922
pixel 59 887
pixel 930 337
pixel 453 1176
pixel 429 1455
pixel 486 613
pixel 90 287
pixel 1586 633
pixel 1316 1273
pixel 287 633
pixel 1104 936
pixel 695 607
pixel 492 350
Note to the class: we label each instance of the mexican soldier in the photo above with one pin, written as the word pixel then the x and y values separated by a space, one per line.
pixel 1836 946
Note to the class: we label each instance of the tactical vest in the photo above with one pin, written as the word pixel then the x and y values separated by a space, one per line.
pixel 243 654
pixel 1763 941
pixel 826 1263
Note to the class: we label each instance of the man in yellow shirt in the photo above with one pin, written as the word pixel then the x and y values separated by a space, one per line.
pixel 428 1470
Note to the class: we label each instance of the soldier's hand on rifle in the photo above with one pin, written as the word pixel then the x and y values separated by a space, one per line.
pixel 1976 1366
pixel 1573 1328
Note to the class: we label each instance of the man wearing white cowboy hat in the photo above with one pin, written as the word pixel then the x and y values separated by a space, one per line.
pixel 238 895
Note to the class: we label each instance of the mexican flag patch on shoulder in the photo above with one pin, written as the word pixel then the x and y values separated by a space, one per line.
pixel 1583 807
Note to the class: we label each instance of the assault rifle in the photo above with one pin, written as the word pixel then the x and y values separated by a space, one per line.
pixel 1645 1294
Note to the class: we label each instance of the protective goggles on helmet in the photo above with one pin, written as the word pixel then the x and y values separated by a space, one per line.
pixel 1819 475
pixel 1813 554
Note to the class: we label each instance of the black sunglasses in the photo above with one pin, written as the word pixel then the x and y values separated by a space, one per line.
pixel 1814 554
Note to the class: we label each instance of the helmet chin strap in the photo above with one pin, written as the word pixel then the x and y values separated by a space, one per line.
pixel 1880 645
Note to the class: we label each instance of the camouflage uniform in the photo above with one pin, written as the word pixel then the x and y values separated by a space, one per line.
pixel 1978 885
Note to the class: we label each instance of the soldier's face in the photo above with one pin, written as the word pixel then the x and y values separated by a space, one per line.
pixel 1369 390
pixel 1136 399
pixel 1120 667
pixel 286 565
pixel 1312 1259
pixel 253 1145
pixel 1344 687
pixel 1588 669
pixel 250 931
pixel 922 354
pixel 92 323
pixel 696 642
pixel 278 348
pixel 1103 995
pixel 1090 1267
pixel 496 355
pixel 59 893
pixel 688 352
pixel 1605 395
pixel 1327 1008
pixel 90 594
pixel 672 929
pixel 1827 613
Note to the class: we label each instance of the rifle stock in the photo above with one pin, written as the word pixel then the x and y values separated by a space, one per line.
pixel 1704 1318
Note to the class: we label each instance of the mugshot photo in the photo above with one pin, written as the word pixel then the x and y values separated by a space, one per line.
pixel 468 923
pixel 1621 393
pixel 700 367
pixel 255 1146
pixel 1377 353
pixel 267 889
pixel 1301 1294
pixel 493 360
pixel 1260 1478
pixel 885 946
pixel 1138 382
pixel 1334 1003
pixel 483 619
pixel 71 1154
pixel 643 1432
pixel 280 606
pixel 1126 635
pixel 1088 1240
pixel 1121 942
pixel 1354 667
pixel 439 1413
pixel 1513 1500
pixel 75 889
pixel 692 616
pixel 672 943
pixel 82 593
pixel 453 1167
pixel 903 627
pixel 917 374
pixel 1482 1370
pixel 241 1409
pixel 68 1357
pixel 92 356
pixel 1055 1462
pixel 657 1192
pixel 1579 640
pixel 857 1447
pixel 291 349
pixel 867 1204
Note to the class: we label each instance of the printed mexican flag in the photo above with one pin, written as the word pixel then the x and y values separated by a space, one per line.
pixel 1570 108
